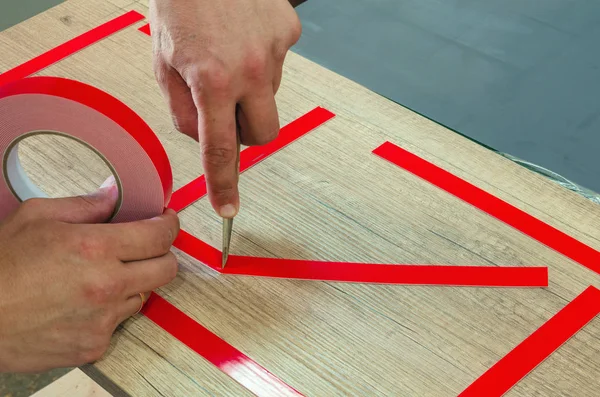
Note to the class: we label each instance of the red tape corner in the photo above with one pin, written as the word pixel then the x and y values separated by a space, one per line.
pixel 492 205
pixel 145 29
pixel 70 47
pixel 253 155
pixel 537 347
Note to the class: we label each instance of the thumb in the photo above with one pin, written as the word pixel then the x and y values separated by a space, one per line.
pixel 96 207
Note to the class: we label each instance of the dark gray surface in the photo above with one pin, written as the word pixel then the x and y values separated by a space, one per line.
pixel 15 11
pixel 521 76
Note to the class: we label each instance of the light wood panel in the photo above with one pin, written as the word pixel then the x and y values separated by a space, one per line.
pixel 73 384
pixel 327 197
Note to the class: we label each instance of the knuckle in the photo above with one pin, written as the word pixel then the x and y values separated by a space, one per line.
pixel 256 65
pixel 267 136
pixel 90 247
pixel 30 207
pixel 215 77
pixel 160 70
pixel 101 290
pixel 279 53
pixel 164 239
pixel 295 29
pixel 94 353
pixel 217 156
pixel 177 225
pixel 185 126
pixel 223 193
pixel 86 202
pixel 32 203
pixel 172 266
pixel 107 323
pixel 169 55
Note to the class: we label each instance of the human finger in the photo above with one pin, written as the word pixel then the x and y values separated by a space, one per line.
pixel 132 306
pixel 260 124
pixel 150 274
pixel 179 99
pixel 140 240
pixel 218 148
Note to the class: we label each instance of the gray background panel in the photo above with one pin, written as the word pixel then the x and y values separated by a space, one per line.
pixel 521 76
pixel 15 11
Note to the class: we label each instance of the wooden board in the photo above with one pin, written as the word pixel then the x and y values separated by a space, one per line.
pixel 327 197
pixel 74 384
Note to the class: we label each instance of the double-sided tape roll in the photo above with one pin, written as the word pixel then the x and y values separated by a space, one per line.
pixel 128 146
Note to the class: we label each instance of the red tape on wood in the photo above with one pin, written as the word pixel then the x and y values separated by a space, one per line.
pixel 227 358
pixel 253 155
pixel 492 205
pixel 145 29
pixel 70 47
pixel 537 347
pixel 488 276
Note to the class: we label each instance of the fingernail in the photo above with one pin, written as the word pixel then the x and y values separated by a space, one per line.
pixel 107 192
pixel 227 211
pixel 113 191
pixel 109 188
pixel 110 181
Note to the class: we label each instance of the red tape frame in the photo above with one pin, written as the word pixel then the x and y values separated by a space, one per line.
pixel 189 331
pixel 70 47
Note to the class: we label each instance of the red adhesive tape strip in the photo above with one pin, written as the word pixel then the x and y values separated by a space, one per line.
pixel 70 47
pixel 52 105
pixel 520 220
pixel 253 155
pixel 214 349
pixel 489 276
pixel 501 377
pixel 145 29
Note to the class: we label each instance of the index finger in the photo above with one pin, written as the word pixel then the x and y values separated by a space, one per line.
pixel 145 239
pixel 217 133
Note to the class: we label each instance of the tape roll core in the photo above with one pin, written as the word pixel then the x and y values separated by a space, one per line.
pixel 24 188
pixel 17 179
pixel 51 105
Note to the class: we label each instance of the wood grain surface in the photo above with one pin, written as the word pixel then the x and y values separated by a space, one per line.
pixel 327 197
pixel 73 384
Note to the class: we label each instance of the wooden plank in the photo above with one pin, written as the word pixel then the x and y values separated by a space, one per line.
pixel 327 197
pixel 74 384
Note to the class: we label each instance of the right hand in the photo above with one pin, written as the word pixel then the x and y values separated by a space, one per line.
pixel 67 279
pixel 219 63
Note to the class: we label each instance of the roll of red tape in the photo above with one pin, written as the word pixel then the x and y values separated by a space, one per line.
pixel 52 105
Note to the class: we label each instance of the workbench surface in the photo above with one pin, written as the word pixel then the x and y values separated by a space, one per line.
pixel 327 197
